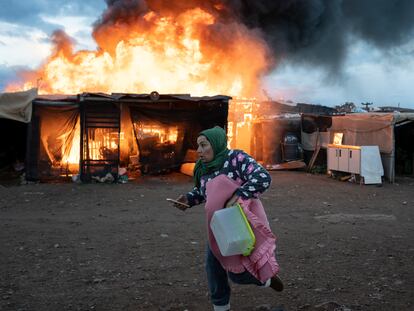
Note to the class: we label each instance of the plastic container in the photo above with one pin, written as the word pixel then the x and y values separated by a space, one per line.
pixel 232 231
pixel 290 147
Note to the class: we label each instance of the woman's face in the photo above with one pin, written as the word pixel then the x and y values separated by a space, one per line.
pixel 205 150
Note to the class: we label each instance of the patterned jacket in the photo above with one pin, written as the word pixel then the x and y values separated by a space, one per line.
pixel 240 167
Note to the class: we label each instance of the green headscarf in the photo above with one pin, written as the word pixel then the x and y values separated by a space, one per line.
pixel 218 140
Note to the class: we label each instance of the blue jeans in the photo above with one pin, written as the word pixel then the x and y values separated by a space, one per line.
pixel 218 283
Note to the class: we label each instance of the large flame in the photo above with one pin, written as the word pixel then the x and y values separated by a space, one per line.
pixel 186 52
pixel 190 50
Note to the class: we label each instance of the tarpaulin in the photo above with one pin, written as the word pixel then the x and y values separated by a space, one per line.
pixel 17 105
pixel 366 129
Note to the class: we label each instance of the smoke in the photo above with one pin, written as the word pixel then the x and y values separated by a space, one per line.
pixel 385 23
pixel 298 30
pixel 317 32
pixel 62 43
pixel 314 32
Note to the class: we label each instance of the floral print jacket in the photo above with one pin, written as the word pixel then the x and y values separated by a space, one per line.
pixel 240 167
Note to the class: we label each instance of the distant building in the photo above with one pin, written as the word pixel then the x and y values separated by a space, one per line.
pixel 392 109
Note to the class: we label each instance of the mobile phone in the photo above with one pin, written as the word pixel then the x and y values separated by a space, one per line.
pixel 178 202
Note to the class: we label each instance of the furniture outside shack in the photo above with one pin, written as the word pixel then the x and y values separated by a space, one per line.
pixel 362 160
pixel 393 133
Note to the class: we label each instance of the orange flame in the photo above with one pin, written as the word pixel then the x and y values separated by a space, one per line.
pixel 71 149
pixel 190 52
pixel 163 134
pixel 195 51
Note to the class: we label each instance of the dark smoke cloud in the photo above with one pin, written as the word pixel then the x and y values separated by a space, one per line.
pixel 299 30
pixel 385 23
pixel 318 31
pixel 125 11
pixel 315 32
pixel 128 11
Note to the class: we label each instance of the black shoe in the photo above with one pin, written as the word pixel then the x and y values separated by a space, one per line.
pixel 276 283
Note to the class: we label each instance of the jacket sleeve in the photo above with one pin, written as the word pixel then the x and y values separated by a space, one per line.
pixel 195 197
pixel 255 177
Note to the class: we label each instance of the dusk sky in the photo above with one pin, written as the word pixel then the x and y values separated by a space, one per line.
pixel 369 69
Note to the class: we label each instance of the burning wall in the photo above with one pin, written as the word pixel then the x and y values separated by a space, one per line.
pixel 95 134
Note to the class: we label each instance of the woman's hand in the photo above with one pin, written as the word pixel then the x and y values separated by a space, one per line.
pixel 232 200
pixel 183 199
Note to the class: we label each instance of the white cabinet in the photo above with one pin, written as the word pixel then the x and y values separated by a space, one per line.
pixel 354 162
pixel 332 154
pixel 344 158
pixel 363 160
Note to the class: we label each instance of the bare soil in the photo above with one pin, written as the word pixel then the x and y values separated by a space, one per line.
pixel 341 246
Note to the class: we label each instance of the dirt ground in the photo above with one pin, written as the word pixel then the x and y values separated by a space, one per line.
pixel 341 246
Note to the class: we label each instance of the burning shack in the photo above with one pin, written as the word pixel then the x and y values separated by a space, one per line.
pixel 94 134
